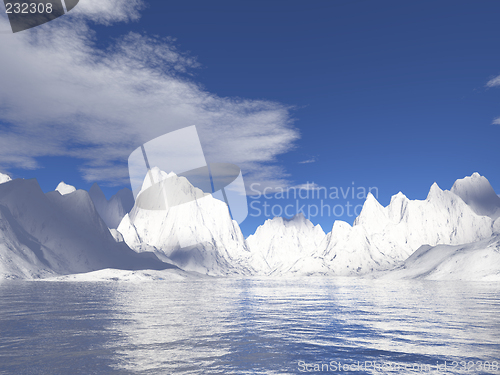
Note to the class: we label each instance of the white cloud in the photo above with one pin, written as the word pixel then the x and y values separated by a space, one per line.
pixel 312 160
pixel 109 11
pixel 493 82
pixel 60 95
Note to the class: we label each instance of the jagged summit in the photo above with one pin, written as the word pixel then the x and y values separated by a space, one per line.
pixel 298 223
pixel 157 175
pixel 96 192
pixel 434 192
pixel 299 217
pixel 112 211
pixel 161 190
pixel 299 220
pixel 477 192
pixel 64 188
pixel 372 214
pixel 4 178
pixel 399 195
pixel 279 243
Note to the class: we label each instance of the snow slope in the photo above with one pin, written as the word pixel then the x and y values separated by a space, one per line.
pixel 478 261
pixel 112 211
pixel 21 255
pixel 112 275
pixel 195 231
pixel 55 233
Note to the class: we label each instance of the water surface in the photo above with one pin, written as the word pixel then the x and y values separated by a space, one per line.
pixel 249 326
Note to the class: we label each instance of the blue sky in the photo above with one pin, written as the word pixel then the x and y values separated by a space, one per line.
pixel 387 94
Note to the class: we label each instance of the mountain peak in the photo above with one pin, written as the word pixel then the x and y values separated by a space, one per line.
pixel 96 193
pixel 472 180
pixel 155 175
pixel 95 186
pixel 397 207
pixel 4 178
pixel 297 220
pixel 113 210
pixel 64 188
pixel 397 196
pixel 340 225
pixel 434 191
pixel 372 214
pixel 299 217
pixel 371 201
pixel 477 192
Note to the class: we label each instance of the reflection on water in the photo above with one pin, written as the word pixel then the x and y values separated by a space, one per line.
pixel 247 326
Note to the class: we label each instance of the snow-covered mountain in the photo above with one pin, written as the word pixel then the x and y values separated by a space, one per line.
pixel 112 211
pixel 279 243
pixel 43 234
pixel 195 231
pixel 477 261
pixel 382 237
pixel 62 232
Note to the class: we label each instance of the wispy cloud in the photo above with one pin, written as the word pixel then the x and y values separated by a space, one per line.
pixel 62 95
pixel 312 160
pixel 492 83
